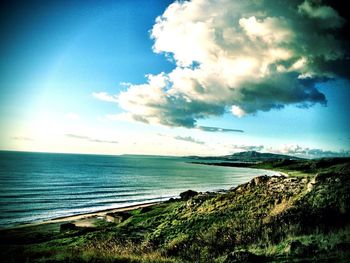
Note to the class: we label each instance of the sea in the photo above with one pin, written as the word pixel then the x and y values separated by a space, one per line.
pixel 35 187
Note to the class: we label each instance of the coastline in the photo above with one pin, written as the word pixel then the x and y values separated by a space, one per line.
pixel 241 165
pixel 265 210
pixel 87 219
pixel 83 216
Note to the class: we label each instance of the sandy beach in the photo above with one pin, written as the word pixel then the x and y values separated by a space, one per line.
pixel 88 219
pixel 83 220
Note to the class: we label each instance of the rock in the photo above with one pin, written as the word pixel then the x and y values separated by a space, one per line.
pixel 117 217
pixel 290 180
pixel 237 189
pixel 311 184
pixel 304 180
pixel 197 200
pixel 260 179
pixel 188 194
pixel 240 188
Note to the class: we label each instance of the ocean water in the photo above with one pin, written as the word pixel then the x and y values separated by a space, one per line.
pixel 41 186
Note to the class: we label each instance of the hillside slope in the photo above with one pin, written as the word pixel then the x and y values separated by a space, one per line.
pixel 248 156
pixel 269 219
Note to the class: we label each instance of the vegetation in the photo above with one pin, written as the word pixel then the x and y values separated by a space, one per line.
pixel 302 167
pixel 269 219
pixel 247 157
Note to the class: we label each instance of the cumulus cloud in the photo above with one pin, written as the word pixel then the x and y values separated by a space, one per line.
pixel 321 153
pixel 294 150
pixel 257 148
pixel 312 152
pixel 188 139
pixel 82 137
pixel 237 56
pixel 314 10
pixel 104 96
pixel 125 116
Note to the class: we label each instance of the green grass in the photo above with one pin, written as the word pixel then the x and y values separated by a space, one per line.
pixel 274 219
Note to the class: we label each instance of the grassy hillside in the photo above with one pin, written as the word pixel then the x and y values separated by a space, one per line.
pixel 248 156
pixel 269 219
pixel 302 167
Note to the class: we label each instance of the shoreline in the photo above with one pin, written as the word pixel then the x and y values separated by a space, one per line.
pixel 83 216
pixel 267 218
pixel 240 165
pixel 102 213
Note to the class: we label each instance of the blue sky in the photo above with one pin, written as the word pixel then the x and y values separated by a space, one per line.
pixel 58 59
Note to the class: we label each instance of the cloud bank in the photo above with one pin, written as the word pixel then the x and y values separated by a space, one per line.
pixel 188 139
pixel 237 56
pixel 293 149
pixel 257 148
pixel 81 137
pixel 104 96
pixel 312 152
pixel 216 129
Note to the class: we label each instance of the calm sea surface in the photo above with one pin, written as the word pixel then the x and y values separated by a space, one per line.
pixel 41 186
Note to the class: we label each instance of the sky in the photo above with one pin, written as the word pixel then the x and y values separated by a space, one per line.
pixel 175 77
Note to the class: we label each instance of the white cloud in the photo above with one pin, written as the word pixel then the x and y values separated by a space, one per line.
pixel 188 139
pixel 307 152
pixel 297 150
pixel 294 150
pixel 87 138
pixel 328 14
pixel 270 30
pixel 236 110
pixel 104 96
pixel 257 148
pixel 238 56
